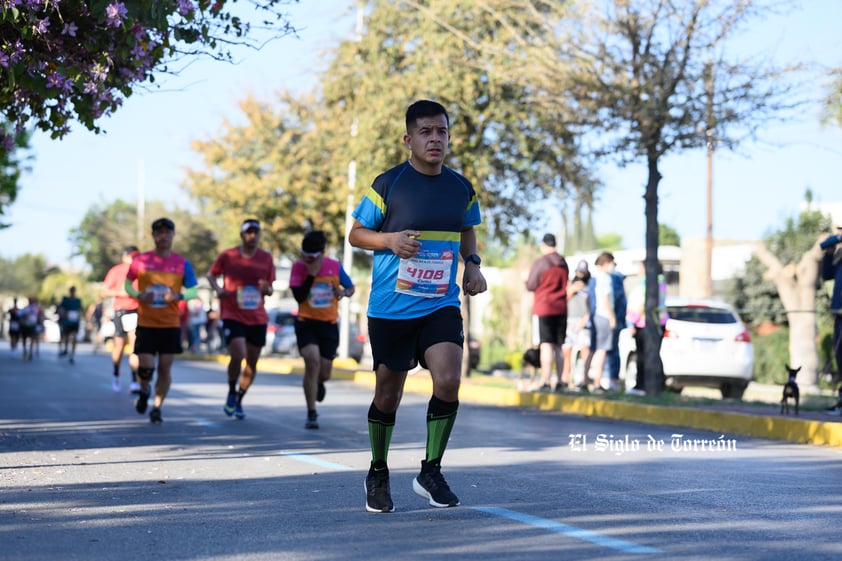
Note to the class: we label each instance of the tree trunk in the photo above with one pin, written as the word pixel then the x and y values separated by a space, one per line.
pixel 797 285
pixel 653 368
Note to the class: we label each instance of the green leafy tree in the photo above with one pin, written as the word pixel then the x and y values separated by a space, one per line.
pixel 24 274
pixel 514 152
pixel 107 228
pixel 276 167
pixel 639 78
pixel 667 235
pixel 288 163
pixel 13 162
pixel 610 241
pixel 56 285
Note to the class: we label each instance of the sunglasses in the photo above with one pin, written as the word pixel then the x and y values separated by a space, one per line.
pixel 313 255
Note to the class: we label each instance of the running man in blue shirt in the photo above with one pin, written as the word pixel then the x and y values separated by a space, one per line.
pixel 418 218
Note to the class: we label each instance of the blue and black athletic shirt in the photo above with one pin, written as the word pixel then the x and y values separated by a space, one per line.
pixel 438 206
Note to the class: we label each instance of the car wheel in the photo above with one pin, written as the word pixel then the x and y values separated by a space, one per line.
pixel 732 390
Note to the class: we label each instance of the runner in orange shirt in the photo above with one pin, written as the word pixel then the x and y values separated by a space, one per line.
pixel 161 275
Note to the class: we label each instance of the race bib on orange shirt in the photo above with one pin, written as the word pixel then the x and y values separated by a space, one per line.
pixel 321 295
pixel 159 293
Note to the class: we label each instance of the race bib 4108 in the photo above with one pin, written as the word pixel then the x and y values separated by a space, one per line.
pixel 427 275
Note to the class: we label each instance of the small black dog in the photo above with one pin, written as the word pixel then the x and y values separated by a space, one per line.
pixel 532 357
pixel 790 391
pixel 530 366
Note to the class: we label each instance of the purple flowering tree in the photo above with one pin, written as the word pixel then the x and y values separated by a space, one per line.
pixel 65 61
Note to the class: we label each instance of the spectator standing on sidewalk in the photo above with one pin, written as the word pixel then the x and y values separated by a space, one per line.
pixel 548 281
pixel 831 269
pixel 578 335
pixel 603 318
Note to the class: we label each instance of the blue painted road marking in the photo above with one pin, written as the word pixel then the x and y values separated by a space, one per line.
pixel 571 531
pixel 315 461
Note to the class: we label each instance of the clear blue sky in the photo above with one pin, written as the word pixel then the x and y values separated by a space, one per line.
pixel 754 189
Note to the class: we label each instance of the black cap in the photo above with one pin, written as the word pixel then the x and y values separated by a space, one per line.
pixel 549 240
pixel 163 223
pixel 314 242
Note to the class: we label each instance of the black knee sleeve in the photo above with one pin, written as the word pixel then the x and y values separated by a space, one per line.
pixel 377 416
pixel 438 408
pixel 145 374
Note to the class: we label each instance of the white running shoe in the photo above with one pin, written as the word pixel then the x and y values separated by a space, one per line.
pixel 134 388
pixel 115 384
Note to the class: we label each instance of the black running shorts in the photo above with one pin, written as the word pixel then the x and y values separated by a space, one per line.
pixel 322 333
pixel 158 340
pixel 400 344
pixel 253 334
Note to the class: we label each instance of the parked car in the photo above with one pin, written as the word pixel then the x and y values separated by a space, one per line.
pixel 356 342
pixel 705 344
pixel 281 340
pixel 280 333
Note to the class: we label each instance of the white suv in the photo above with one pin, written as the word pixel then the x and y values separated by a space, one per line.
pixel 705 344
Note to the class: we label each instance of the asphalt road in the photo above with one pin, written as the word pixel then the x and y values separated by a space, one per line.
pixel 83 476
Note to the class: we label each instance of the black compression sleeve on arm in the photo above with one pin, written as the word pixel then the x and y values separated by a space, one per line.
pixel 300 293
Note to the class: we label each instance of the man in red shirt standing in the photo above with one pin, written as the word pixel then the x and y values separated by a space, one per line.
pixel 124 317
pixel 248 273
pixel 548 280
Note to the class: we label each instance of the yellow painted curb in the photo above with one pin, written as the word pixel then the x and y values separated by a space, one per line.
pixel 781 428
pixel 764 426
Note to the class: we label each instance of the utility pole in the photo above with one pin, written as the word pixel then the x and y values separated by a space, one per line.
pixel 348 251
pixel 710 143
pixel 141 202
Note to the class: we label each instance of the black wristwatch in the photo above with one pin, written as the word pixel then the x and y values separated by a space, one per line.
pixel 473 258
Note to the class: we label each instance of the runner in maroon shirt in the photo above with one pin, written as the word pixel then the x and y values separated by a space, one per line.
pixel 248 273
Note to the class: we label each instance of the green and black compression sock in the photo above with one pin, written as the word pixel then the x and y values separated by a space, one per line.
pixel 440 418
pixel 380 427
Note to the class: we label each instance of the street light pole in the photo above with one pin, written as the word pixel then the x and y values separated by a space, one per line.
pixel 348 251
pixel 141 202
pixel 710 144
